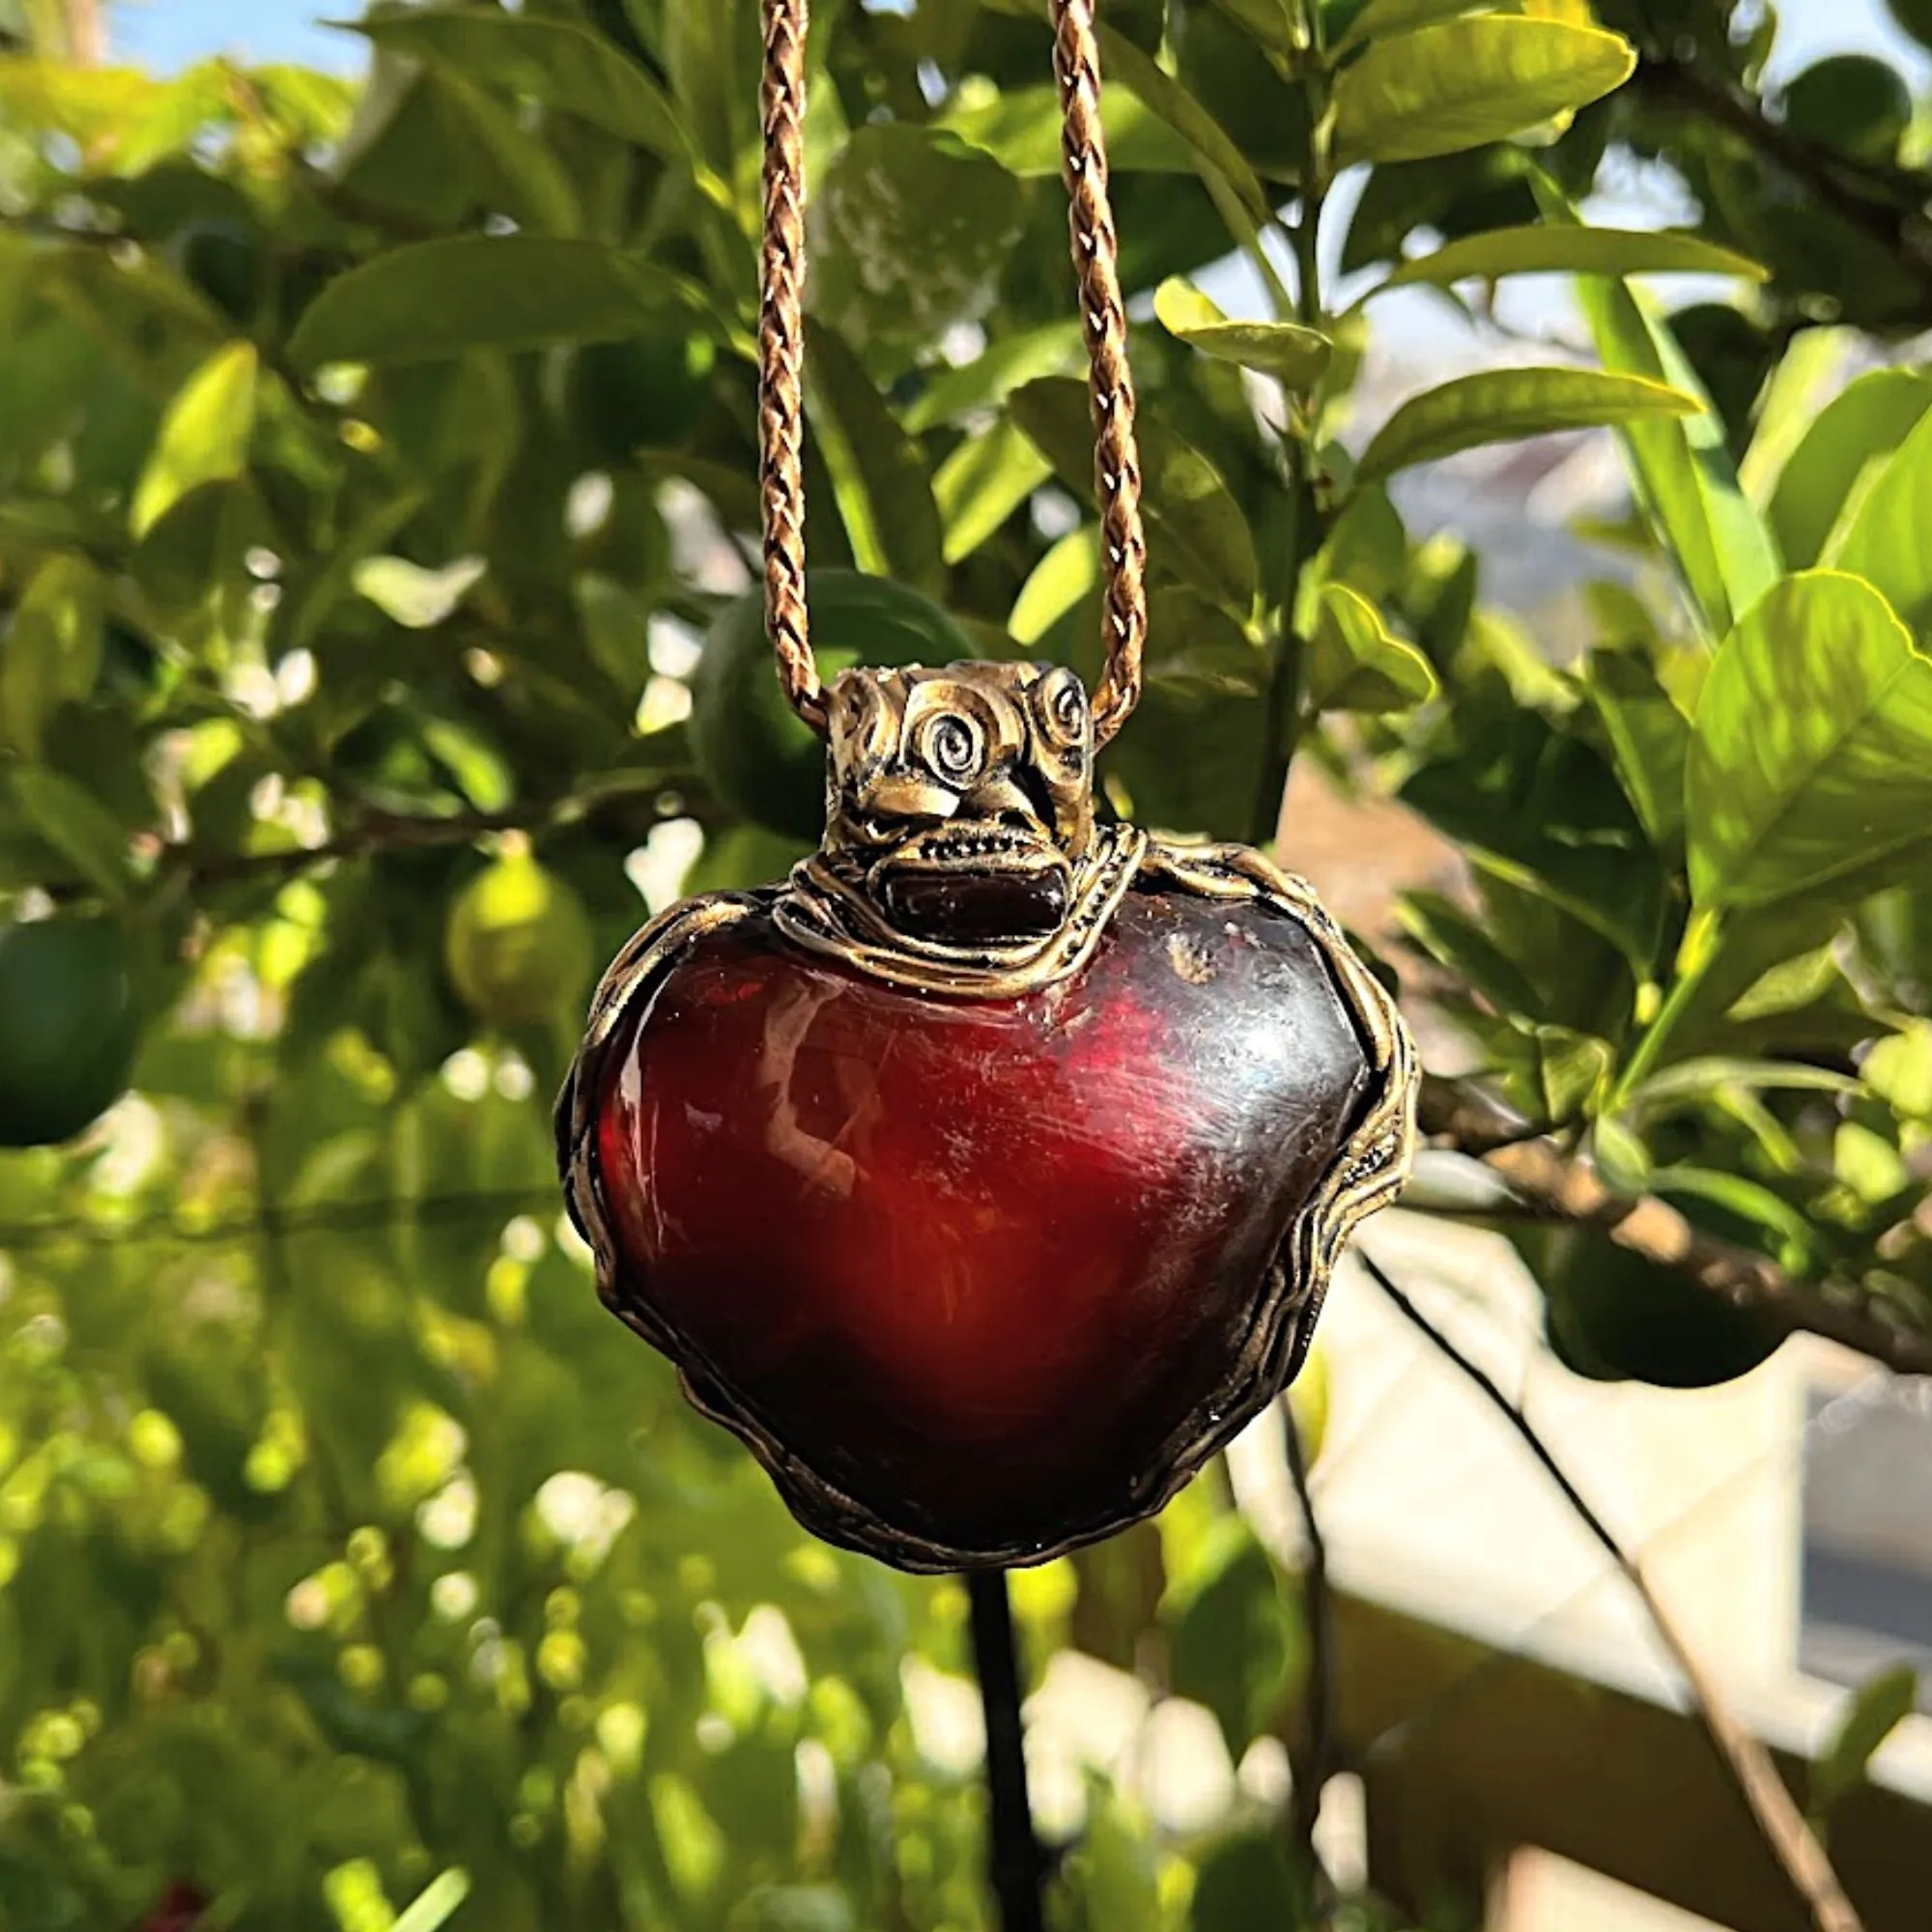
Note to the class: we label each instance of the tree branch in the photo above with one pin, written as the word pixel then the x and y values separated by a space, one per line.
pixel 1786 1831
pixel 1555 1186
pixel 1887 204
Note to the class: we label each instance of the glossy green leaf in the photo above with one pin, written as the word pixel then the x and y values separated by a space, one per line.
pixel 1352 664
pixel 1561 249
pixel 204 436
pixel 76 824
pixel 416 598
pixel 878 474
pixel 1855 435
pixel 1875 1710
pixel 1649 738
pixel 554 61
pixel 1464 83
pixel 50 649
pixel 1005 365
pixel 1542 810
pixel 1684 475
pixel 1021 129
pixel 1058 581
pixel 1192 513
pixel 1380 19
pixel 1164 96
pixel 980 486
pixel 1507 405
pixel 432 300
pixel 1294 355
pixel 1693 1079
pixel 1812 755
pixel 1246 1881
pixel 1882 535
pixel 1235 1639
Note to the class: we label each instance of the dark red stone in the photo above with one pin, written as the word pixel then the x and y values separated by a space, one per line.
pixel 980 1267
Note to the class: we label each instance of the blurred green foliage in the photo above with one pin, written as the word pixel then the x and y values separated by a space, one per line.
pixel 373 460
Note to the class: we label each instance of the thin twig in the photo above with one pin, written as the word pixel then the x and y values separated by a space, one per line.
pixel 1786 1829
pixel 1015 1864
pixel 1314 1758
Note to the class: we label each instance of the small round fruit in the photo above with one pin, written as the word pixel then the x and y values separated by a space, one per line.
pixel 1852 102
pixel 646 393
pixel 69 1027
pixel 751 749
pixel 518 943
pixel 1613 1316
pixel 1916 17
pixel 224 260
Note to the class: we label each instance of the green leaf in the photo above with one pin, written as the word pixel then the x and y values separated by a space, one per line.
pixel 1697 1079
pixel 1562 249
pixel 1812 753
pixel 1899 1070
pixel 1021 129
pixel 518 172
pixel 1649 737
pixel 1247 1881
pixel 556 62
pixel 1157 90
pixel 416 598
pixel 1876 1709
pixel 1200 530
pixel 1540 810
pixel 203 435
pixel 1886 533
pixel 1552 1073
pixel 1294 355
pixel 1354 665
pixel 1507 405
pixel 1235 1639
pixel 1004 364
pixel 878 475
pixel 1855 435
pixel 507 292
pixel 75 824
pixel 1466 83
pixel 1379 19
pixel 984 481
pixel 50 651
pixel 1060 579
pixel 1684 475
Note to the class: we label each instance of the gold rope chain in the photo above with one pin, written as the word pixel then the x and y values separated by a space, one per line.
pixel 1116 468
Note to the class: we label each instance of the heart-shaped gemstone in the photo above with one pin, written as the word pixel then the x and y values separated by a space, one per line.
pixel 979 1279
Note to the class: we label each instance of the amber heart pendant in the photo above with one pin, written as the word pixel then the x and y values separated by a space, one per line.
pixel 985 1176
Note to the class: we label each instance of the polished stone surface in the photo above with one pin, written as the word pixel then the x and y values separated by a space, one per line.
pixel 978 1265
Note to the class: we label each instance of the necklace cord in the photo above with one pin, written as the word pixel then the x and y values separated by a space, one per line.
pixel 1103 322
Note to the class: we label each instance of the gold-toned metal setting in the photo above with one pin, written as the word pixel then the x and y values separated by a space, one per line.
pixel 955 796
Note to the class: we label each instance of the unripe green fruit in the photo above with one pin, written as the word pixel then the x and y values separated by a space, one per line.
pixel 646 393
pixel 751 749
pixel 1916 17
pixel 1852 102
pixel 224 260
pixel 518 943
pixel 69 1027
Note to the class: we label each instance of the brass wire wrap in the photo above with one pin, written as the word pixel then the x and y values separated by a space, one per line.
pixel 1103 321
